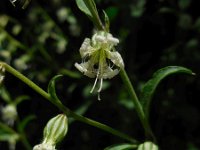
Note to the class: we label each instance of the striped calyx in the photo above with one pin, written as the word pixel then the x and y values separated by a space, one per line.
pixel 56 129
pixel 147 146
pixel 54 132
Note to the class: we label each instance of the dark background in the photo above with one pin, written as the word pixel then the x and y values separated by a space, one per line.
pixel 153 34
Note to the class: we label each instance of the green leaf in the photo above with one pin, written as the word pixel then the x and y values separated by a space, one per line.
pixel 5 136
pixel 22 125
pixel 7 133
pixel 20 99
pixel 5 95
pixel 51 88
pixel 107 22
pixel 123 146
pixel 81 110
pixel 71 74
pixel 83 7
pixel 5 128
pixel 89 8
pixel 9 137
pixel 150 87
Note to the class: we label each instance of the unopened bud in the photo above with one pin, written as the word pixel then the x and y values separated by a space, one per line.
pixel 147 146
pixel 54 132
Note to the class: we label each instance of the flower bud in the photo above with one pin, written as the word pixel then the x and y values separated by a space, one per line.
pixel 54 132
pixel 56 129
pixel 147 146
pixel 9 114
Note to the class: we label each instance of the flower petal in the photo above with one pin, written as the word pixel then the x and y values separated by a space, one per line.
pixel 116 58
pixel 110 73
pixel 85 48
pixel 86 69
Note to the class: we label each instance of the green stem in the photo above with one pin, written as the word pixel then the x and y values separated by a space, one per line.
pixel 15 42
pixel 25 142
pixel 138 106
pixel 96 19
pixel 22 46
pixel 48 17
pixel 7 128
pixel 64 109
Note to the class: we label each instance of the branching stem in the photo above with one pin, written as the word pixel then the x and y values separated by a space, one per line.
pixel 63 108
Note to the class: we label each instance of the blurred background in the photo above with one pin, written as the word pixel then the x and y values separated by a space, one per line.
pixel 43 40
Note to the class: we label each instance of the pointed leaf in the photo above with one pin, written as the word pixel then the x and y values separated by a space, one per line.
pixel 81 110
pixel 124 146
pixel 8 137
pixel 20 99
pixel 83 7
pixel 89 8
pixel 6 129
pixel 51 88
pixel 70 73
pixel 107 21
pixel 22 125
pixel 150 87
pixel 5 95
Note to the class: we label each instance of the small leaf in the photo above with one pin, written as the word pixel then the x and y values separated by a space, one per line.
pixel 22 125
pixel 5 95
pixel 150 87
pixel 20 99
pixel 8 137
pixel 51 87
pixel 71 74
pixel 89 8
pixel 107 22
pixel 5 136
pixel 123 146
pixel 81 110
pixel 83 7
pixel 5 128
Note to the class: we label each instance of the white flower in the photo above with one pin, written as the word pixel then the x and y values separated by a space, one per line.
pixel 9 114
pixel 100 59
pixel 147 146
